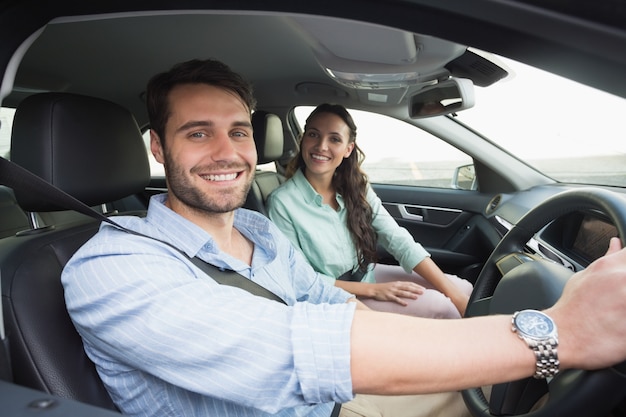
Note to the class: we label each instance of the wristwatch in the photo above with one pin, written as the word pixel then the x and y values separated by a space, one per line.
pixel 538 330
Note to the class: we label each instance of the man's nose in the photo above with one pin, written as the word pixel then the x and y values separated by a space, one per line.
pixel 222 147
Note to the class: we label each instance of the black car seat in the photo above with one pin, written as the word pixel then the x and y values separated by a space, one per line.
pixel 269 140
pixel 93 150
pixel 12 218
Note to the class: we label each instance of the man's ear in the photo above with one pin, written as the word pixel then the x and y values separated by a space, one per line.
pixel 156 147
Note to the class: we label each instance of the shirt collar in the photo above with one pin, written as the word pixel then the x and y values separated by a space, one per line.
pixel 192 239
pixel 180 232
pixel 308 192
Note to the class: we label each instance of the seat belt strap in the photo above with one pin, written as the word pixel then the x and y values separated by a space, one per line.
pixel 19 178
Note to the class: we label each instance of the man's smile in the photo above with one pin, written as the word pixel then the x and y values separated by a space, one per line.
pixel 220 177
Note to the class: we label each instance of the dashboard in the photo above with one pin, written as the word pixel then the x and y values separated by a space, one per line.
pixel 574 239
pixel 582 237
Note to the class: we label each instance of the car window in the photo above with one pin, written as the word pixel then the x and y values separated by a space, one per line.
pixel 427 162
pixel 6 122
pixel 571 132
pixel 156 169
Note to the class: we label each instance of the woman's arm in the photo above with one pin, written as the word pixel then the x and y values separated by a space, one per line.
pixel 429 270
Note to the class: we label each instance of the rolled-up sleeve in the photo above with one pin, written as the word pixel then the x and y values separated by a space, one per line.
pixel 322 350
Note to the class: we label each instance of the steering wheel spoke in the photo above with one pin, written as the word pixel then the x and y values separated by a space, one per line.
pixel 517 397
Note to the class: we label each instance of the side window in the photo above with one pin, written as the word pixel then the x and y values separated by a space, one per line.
pixel 6 123
pixel 399 153
pixel 156 169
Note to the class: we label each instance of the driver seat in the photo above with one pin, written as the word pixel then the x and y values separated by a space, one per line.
pixel 93 150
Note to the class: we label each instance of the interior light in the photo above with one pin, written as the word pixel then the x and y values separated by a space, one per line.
pixel 374 81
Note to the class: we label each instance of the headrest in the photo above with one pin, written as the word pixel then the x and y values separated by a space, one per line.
pixel 268 136
pixel 90 148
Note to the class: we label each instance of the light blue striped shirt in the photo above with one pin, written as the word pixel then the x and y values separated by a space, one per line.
pixel 322 234
pixel 169 341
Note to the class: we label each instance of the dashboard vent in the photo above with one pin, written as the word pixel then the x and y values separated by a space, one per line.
pixel 493 204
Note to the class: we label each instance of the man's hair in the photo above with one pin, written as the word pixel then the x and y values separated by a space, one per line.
pixel 210 71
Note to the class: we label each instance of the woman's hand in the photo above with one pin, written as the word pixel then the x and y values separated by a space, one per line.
pixel 396 291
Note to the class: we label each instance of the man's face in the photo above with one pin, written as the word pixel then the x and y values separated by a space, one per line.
pixel 209 153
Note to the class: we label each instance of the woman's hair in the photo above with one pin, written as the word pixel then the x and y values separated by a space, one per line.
pixel 351 182
pixel 210 71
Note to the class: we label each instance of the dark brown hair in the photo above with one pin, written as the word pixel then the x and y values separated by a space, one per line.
pixel 351 182
pixel 211 72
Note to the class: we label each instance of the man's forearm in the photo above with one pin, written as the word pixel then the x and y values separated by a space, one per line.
pixel 397 354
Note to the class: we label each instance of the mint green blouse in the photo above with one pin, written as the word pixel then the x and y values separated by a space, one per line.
pixel 322 235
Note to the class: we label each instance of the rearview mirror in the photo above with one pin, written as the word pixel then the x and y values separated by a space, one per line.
pixel 451 95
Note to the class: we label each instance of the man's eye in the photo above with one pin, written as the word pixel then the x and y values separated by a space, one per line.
pixel 197 135
pixel 242 134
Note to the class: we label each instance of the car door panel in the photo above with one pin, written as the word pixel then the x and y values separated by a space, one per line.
pixel 449 223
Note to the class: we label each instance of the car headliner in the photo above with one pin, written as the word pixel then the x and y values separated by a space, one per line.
pixel 280 63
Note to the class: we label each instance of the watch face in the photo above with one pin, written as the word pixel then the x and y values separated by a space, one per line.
pixel 534 324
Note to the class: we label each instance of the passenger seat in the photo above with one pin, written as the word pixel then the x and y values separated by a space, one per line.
pixel 269 140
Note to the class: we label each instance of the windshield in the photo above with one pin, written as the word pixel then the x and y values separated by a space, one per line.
pixel 570 132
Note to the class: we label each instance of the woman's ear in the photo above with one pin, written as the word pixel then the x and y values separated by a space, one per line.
pixel 349 150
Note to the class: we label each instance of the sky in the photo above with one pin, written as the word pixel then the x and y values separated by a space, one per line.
pixel 537 112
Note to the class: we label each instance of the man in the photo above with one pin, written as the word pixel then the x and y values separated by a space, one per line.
pixel 168 340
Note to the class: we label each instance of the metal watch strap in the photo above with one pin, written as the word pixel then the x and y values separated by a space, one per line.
pixel 545 350
pixel 547 360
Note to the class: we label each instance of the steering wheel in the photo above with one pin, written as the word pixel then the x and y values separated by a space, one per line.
pixel 513 280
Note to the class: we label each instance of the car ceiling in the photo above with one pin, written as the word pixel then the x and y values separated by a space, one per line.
pixel 280 54
pixel 277 51
pixel 120 74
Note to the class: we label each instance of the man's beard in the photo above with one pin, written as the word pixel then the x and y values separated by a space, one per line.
pixel 227 200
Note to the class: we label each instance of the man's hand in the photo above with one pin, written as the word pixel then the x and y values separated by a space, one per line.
pixel 591 311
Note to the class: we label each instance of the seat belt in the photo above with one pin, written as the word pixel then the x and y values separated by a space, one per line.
pixel 19 178
pixel 336 410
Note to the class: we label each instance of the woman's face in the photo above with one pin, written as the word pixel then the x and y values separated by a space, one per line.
pixel 325 144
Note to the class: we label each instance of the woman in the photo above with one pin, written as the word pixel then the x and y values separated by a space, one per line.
pixel 329 211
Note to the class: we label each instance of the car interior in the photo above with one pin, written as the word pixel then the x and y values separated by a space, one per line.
pixel 73 79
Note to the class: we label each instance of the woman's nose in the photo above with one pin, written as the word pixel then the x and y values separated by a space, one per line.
pixel 323 143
